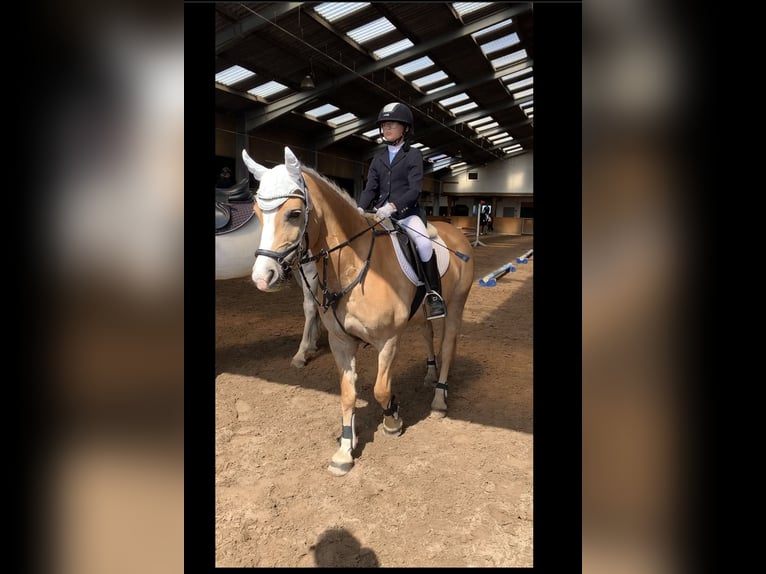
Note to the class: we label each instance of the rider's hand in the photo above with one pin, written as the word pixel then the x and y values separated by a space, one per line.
pixel 360 210
pixel 385 211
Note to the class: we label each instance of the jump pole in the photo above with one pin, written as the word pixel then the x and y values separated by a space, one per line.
pixel 524 258
pixel 490 280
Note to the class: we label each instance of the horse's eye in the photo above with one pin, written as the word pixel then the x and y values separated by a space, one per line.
pixel 294 214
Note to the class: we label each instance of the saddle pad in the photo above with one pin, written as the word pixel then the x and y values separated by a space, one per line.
pixel 241 212
pixel 442 255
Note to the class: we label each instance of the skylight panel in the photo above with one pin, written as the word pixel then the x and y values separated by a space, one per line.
pixel 371 30
pixel 528 104
pixel 509 59
pixel 464 108
pixel 268 89
pixel 322 110
pixel 492 28
pixel 334 11
pixel 520 84
pixel 458 164
pixel 486 127
pixel 372 133
pixel 512 149
pixel 442 163
pixel 498 136
pixel 523 93
pixel 415 65
pixel 500 43
pixel 474 123
pixel 508 77
pixel 393 48
pixel 444 87
pixel 463 8
pixel 503 140
pixel 446 102
pixel 342 119
pixel 429 79
pixel 233 75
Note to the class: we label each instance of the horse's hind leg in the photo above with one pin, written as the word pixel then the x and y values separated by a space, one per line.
pixel 344 352
pixel 432 373
pixel 311 329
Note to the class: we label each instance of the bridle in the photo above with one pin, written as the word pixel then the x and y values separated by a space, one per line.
pixel 281 257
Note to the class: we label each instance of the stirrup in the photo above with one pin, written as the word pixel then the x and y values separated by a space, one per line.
pixel 436 309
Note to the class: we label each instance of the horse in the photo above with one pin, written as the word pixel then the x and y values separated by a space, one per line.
pixel 234 258
pixel 366 297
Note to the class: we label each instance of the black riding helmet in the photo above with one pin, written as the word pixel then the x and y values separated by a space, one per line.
pixel 396 112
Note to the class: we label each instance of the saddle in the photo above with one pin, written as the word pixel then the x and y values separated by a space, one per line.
pixel 409 260
pixel 233 206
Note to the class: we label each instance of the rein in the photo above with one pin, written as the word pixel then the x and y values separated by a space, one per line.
pixel 329 298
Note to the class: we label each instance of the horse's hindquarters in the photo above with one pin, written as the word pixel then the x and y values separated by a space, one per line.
pixel 235 251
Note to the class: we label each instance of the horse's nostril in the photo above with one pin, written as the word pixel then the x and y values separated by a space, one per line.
pixel 270 277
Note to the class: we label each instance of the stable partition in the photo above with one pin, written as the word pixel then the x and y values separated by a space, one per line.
pixel 507 225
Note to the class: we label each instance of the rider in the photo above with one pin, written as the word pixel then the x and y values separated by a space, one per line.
pixel 396 179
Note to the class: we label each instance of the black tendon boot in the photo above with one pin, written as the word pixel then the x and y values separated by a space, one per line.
pixel 435 307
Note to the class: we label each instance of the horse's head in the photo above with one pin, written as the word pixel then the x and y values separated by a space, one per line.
pixel 281 205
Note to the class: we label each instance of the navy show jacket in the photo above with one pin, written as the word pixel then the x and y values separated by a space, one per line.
pixel 399 182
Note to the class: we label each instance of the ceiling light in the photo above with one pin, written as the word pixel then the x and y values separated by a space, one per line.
pixel 307 83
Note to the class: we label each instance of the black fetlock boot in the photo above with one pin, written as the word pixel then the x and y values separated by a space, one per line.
pixel 434 304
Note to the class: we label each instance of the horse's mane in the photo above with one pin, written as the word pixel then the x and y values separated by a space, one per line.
pixel 331 184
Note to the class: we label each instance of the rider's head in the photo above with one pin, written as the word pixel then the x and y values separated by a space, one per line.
pixel 395 123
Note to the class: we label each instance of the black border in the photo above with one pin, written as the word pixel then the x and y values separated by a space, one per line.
pixel 199 283
pixel 558 286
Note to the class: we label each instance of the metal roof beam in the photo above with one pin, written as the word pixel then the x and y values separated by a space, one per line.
pixel 288 104
pixel 231 34
pixel 345 131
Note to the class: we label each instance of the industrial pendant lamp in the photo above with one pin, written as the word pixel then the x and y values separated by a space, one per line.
pixel 307 83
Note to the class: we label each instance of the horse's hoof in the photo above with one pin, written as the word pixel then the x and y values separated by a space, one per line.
pixel 340 468
pixel 298 364
pixel 438 414
pixel 393 430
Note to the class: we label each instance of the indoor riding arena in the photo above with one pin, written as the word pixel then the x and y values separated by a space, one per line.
pixel 455 491
pixel 449 491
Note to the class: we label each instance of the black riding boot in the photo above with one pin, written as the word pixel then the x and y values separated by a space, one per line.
pixel 435 307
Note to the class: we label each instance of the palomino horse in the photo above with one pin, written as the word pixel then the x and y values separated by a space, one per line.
pixel 366 298
pixel 234 258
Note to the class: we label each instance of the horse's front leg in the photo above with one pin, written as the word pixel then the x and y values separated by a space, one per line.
pixel 448 346
pixel 311 313
pixel 392 423
pixel 344 352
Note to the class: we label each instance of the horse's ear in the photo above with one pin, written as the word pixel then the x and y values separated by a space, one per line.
pixel 255 168
pixel 292 164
